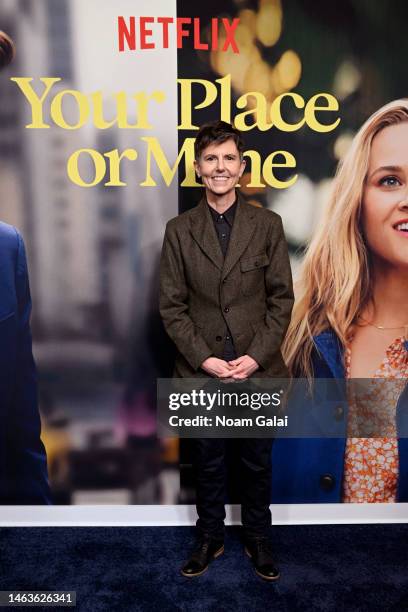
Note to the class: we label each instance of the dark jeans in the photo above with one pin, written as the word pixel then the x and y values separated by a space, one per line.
pixel 254 471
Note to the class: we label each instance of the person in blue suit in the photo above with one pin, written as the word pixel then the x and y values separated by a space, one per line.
pixel 350 321
pixel 23 462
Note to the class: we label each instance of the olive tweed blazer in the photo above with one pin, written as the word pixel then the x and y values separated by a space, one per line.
pixel 250 291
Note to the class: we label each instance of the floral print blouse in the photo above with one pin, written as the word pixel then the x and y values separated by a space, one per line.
pixel 371 464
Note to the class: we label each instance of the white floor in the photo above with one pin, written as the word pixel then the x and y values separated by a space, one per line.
pixel 172 515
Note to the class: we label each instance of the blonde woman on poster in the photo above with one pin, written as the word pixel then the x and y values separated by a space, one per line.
pixel 351 321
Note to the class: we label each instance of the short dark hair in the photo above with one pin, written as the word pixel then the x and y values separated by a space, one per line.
pixel 217 132
pixel 6 49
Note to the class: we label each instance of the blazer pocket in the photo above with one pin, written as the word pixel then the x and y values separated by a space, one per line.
pixel 252 272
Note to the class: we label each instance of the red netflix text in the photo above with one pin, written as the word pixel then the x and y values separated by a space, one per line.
pixel 138 32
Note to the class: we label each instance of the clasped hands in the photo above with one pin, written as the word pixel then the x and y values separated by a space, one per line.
pixel 237 369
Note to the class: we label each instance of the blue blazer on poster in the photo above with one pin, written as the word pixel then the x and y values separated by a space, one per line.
pixel 23 463
pixel 310 470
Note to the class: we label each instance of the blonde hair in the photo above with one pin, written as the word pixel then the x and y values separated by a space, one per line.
pixel 334 281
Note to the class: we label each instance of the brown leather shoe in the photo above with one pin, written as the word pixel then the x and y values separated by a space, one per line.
pixel 260 551
pixel 206 550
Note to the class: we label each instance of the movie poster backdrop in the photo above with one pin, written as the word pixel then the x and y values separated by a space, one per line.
pixel 98 116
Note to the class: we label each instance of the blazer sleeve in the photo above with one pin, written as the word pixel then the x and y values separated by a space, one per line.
pixel 279 299
pixel 174 302
pixel 28 462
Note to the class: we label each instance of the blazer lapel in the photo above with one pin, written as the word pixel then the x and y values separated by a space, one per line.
pixel 241 234
pixel 203 231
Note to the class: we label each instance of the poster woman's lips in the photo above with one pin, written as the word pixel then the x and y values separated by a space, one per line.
pixel 401 226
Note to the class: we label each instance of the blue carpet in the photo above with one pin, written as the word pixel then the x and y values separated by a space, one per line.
pixel 336 567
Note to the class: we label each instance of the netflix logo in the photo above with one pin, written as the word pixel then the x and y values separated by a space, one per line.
pixel 139 33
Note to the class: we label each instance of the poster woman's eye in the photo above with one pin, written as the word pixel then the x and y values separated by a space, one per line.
pixel 390 181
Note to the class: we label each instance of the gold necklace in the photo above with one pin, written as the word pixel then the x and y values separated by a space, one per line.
pixel 405 326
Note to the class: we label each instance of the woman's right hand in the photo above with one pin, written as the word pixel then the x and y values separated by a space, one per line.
pixel 217 367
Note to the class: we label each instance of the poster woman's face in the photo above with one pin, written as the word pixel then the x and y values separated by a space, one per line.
pixel 385 197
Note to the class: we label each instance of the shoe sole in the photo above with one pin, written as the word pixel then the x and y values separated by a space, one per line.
pixel 270 578
pixel 215 555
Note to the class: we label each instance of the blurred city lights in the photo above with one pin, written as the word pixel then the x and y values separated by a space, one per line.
pixel 248 19
pixel 347 80
pixel 289 69
pixel 269 24
pixel 257 78
pixel 249 70
pixel 342 144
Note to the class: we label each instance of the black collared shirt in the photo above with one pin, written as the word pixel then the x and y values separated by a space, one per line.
pixel 223 223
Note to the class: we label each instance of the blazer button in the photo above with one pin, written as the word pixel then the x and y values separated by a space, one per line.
pixel 327 482
pixel 256 264
pixel 218 338
pixel 224 280
pixel 226 309
pixel 338 413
